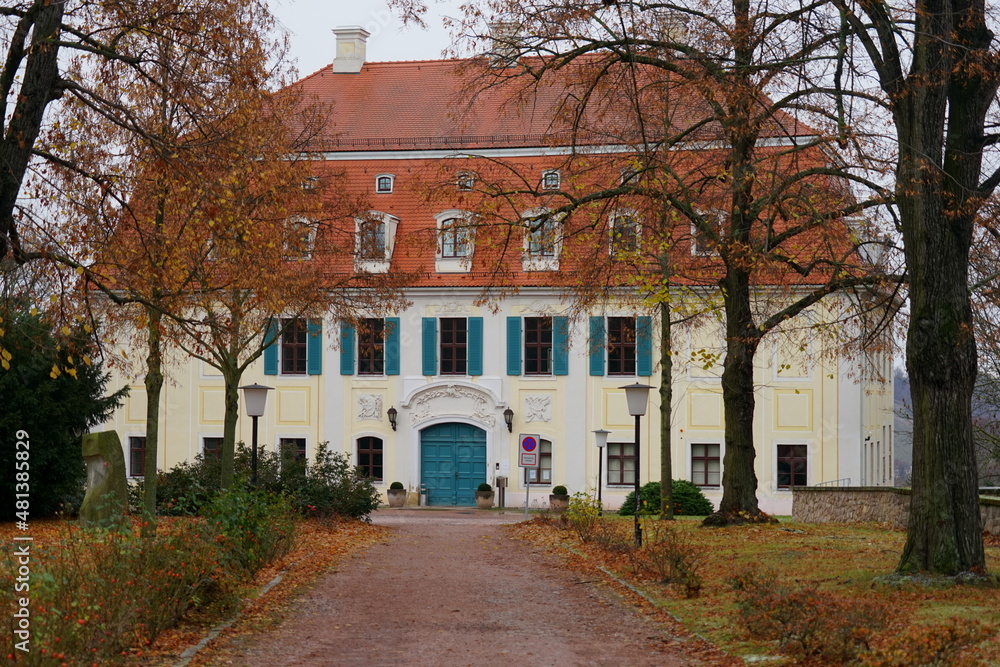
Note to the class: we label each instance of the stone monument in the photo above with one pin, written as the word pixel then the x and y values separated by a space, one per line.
pixel 107 487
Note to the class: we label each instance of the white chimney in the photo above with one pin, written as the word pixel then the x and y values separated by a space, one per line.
pixel 351 42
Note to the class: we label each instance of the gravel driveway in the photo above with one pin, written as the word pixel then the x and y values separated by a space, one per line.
pixel 449 588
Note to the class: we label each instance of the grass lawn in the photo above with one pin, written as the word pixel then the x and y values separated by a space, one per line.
pixel 922 620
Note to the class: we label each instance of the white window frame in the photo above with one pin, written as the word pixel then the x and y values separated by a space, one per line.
pixel 378 181
pixel 531 262
pixel 299 222
pixel 290 436
pixel 454 264
pixel 375 265
pixel 551 174
pixel 623 214
pixel 465 181
pixel 698 440
pixel 810 463
pixel 720 219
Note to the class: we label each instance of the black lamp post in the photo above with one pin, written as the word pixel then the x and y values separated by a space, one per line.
pixel 637 396
pixel 602 442
pixel 255 397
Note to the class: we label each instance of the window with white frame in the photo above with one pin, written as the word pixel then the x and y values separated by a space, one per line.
pixel 543 473
pixel 384 183
pixel 300 238
pixel 542 240
pixel 211 448
pixel 706 464
pixel 371 347
pixel 370 457
pixel 465 181
pixel 374 240
pixel 455 238
pixel 551 179
pixel 621 463
pixel 624 233
pixel 707 233
pixel 792 466
pixel 136 455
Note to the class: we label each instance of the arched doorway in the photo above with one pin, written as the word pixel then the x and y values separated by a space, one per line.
pixel 452 463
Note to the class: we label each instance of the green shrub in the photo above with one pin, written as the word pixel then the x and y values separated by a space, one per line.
pixel 583 514
pixel 256 527
pixel 559 490
pixel 328 486
pixel 396 486
pixel 687 500
pixel 97 592
pixel 484 488
pixel 333 486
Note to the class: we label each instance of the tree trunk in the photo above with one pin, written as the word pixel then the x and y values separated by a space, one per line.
pixel 944 532
pixel 666 410
pixel 939 120
pixel 739 481
pixel 40 87
pixel 232 400
pixel 154 384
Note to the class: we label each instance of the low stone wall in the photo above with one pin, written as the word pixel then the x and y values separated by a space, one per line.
pixel 847 504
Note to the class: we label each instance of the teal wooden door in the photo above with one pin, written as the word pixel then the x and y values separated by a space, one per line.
pixel 452 463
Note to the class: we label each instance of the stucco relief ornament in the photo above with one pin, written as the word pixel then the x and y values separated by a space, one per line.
pixel 541 307
pixel 537 408
pixel 452 307
pixel 369 407
pixel 453 400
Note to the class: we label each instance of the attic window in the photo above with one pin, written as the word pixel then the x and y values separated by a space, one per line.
pixel 465 181
pixel 383 183
pixel 310 183
pixel 551 179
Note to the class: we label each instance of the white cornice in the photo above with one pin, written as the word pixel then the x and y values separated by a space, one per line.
pixel 537 151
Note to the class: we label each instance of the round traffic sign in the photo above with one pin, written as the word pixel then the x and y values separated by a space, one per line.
pixel 528 444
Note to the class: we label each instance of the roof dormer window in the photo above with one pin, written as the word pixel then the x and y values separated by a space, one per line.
pixel 551 179
pixel 384 183
pixel 465 181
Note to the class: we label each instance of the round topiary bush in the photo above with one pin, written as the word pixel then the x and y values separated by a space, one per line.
pixel 484 487
pixel 559 490
pixel 396 485
pixel 687 498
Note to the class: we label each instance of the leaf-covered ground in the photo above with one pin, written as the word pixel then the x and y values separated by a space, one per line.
pixel 847 560
pixel 320 545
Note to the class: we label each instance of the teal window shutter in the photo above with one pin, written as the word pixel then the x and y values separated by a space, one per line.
pixel 560 345
pixel 271 351
pixel 644 346
pixel 314 347
pixel 513 346
pixel 392 346
pixel 347 339
pixel 429 342
pixel 475 345
pixel 597 348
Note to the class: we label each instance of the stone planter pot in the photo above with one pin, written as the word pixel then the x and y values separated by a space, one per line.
pixel 484 499
pixel 558 502
pixel 397 497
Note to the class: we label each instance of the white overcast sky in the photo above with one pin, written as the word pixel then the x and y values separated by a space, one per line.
pixel 310 23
